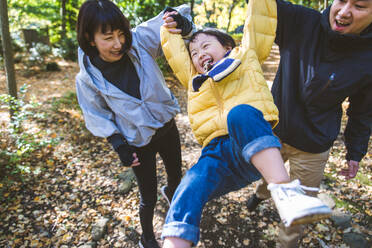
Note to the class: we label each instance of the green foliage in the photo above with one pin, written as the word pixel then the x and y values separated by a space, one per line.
pixel 41 14
pixel 68 100
pixel 163 65
pixel 23 142
pixel 68 48
pixel 142 10
pixel 237 37
pixel 38 54
pixel 364 179
pixel 315 4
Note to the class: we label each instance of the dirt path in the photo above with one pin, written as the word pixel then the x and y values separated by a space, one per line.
pixel 80 185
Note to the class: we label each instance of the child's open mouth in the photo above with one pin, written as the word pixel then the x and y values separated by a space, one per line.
pixel 207 65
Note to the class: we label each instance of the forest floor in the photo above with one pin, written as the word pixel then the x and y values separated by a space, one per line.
pixel 76 183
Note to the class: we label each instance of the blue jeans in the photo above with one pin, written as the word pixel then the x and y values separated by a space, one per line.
pixel 223 166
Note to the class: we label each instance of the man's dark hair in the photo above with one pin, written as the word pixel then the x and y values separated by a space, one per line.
pixel 225 39
pixel 100 15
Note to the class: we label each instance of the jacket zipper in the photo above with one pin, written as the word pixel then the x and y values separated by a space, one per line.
pixel 218 98
pixel 329 82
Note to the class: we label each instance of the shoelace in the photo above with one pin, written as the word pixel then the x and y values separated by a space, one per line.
pixel 294 184
pixel 284 189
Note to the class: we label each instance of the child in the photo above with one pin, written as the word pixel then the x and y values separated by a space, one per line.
pixel 230 110
pixel 124 98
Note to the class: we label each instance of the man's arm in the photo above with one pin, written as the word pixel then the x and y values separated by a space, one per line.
pixel 358 130
pixel 292 21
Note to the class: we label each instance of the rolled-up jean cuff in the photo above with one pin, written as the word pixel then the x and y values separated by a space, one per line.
pixel 181 230
pixel 259 144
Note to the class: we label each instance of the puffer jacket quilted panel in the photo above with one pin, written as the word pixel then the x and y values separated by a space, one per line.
pixel 208 108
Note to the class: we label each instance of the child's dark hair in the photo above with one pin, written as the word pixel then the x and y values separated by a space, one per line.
pixel 103 15
pixel 225 39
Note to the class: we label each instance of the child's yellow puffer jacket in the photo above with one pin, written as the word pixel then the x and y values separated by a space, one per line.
pixel 208 108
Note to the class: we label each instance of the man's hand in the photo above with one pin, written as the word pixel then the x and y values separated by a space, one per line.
pixel 170 23
pixel 351 171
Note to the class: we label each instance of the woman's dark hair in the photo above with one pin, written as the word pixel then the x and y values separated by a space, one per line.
pixel 103 15
pixel 225 39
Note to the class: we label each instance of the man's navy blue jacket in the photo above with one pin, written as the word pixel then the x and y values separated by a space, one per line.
pixel 318 70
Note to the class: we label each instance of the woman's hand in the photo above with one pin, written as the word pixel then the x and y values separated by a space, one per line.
pixel 170 23
pixel 127 155
pixel 135 161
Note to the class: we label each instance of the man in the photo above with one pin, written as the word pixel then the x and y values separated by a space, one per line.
pixel 325 58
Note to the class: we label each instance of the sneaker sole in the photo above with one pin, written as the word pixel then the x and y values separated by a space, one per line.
pixel 310 219
pixel 309 215
pixel 140 245
pixel 164 195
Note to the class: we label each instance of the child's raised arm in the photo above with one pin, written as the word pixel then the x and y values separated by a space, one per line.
pixel 177 55
pixel 260 31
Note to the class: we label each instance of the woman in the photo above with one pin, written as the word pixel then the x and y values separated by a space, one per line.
pixel 124 98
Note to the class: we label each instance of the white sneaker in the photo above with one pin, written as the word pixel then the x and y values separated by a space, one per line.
pixel 294 206
pixel 166 194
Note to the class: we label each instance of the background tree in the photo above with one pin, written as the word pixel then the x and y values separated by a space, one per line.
pixel 63 19
pixel 7 50
pixel 316 4
pixel 58 17
pixel 231 8
pixel 325 3
pixel 223 14
pixel 142 10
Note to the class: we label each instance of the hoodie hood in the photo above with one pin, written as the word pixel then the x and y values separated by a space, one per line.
pixel 345 42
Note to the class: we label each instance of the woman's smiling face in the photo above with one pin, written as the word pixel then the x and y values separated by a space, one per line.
pixel 350 16
pixel 109 44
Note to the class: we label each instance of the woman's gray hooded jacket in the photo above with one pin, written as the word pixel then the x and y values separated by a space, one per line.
pixel 108 110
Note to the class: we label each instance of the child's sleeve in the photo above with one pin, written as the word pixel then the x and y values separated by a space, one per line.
pixel 177 55
pixel 260 27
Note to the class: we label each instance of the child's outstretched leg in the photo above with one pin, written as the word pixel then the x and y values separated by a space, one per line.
pixel 181 227
pixel 212 176
pixel 252 135
pixel 173 242
pixel 270 164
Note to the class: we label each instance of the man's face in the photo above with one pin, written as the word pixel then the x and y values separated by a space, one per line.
pixel 205 51
pixel 350 16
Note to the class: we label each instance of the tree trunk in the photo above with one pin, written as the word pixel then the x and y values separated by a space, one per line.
pixel 325 4
pixel 63 15
pixel 232 6
pixel 8 52
pixel 72 15
pixel 192 9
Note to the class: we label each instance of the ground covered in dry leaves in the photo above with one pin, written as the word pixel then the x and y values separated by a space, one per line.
pixel 77 183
